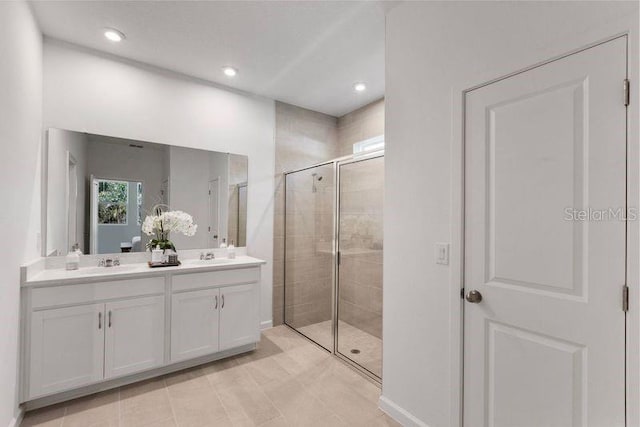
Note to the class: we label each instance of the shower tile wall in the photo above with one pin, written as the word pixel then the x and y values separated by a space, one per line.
pixel 308 248
pixel 303 138
pixel 363 123
pixel 361 274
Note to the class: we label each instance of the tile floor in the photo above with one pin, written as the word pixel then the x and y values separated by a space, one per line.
pixel 349 337
pixel 287 381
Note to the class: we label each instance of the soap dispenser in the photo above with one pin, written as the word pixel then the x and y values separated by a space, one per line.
pixel 157 255
pixel 231 251
pixel 223 244
pixel 73 258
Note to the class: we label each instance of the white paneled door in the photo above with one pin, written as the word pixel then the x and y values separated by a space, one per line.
pixel 545 201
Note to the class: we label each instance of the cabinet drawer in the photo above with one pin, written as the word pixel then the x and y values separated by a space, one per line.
pixel 185 282
pixel 89 292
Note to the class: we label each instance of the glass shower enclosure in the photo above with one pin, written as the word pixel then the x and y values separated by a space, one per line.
pixel 333 257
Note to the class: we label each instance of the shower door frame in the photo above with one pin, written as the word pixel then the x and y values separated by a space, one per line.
pixel 333 255
pixel 335 290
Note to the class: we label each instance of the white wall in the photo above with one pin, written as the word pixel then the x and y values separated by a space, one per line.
pixel 434 50
pixel 20 139
pixel 97 93
pixel 59 143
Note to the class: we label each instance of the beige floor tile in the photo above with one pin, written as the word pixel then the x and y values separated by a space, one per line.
pixel 227 370
pixel 101 409
pixel 144 403
pixel 46 417
pixel 379 420
pixel 349 338
pixel 344 399
pixel 187 383
pixel 267 371
pixel 285 338
pixel 277 422
pixel 287 381
pixel 265 348
pixel 167 422
pixel 199 408
pixel 299 407
pixel 247 399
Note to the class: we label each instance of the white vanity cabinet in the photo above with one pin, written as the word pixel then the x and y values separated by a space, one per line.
pixel 93 340
pixel 194 323
pixel 238 316
pixel 134 335
pixel 75 346
pixel 85 334
pixel 204 321
pixel 67 348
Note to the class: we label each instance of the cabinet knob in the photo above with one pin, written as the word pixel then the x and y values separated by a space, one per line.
pixel 216 306
pixel 222 306
pixel 100 320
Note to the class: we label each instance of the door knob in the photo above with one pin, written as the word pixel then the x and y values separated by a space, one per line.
pixel 474 296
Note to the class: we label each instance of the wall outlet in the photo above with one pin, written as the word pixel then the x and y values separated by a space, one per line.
pixel 442 253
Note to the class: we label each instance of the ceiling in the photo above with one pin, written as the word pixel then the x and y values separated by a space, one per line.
pixel 306 53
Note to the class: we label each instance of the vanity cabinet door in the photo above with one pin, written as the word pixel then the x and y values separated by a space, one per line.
pixel 194 324
pixel 239 316
pixel 134 335
pixel 66 348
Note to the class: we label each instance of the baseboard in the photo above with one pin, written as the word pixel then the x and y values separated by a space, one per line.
pixel 15 422
pixel 267 324
pixel 399 414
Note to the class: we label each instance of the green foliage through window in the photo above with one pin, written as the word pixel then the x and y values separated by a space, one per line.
pixel 112 202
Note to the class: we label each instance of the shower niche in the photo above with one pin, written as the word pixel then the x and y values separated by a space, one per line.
pixel 333 257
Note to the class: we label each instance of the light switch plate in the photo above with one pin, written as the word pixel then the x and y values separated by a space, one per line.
pixel 442 253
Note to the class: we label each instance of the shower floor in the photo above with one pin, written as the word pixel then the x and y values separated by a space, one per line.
pixel 349 338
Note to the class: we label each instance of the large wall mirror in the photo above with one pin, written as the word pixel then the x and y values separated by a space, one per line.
pixel 100 189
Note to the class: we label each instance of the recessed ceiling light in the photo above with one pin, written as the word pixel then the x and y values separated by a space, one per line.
pixel 229 71
pixel 359 87
pixel 113 35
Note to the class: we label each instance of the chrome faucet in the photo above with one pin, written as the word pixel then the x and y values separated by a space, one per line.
pixel 208 256
pixel 108 262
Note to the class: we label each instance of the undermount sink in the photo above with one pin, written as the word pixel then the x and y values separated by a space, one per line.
pixel 207 261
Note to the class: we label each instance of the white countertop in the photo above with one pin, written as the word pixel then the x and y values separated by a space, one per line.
pixel 58 276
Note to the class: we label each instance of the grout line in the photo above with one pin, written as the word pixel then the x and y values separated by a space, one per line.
pixel 119 406
pixel 173 412
pixel 294 377
pixel 215 390
pixel 64 414
pixel 259 388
